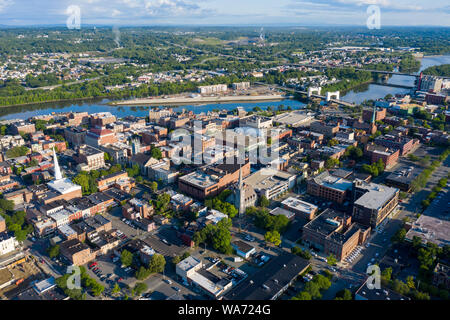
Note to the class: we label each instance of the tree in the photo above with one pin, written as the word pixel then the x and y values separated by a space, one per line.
pixel 331 260
pixel 313 289
pixel 323 282
pixel 116 289
pixel 399 236
pixel 221 240
pixel 386 274
pixel 421 295
pixel 53 251
pixel 416 242
pixel 162 202
pixel 302 295
pixel 302 253
pixel 108 157
pixel 140 288
pixel 264 202
pixel 97 289
pixel 157 263
pixel 331 163
pixel 17 151
pixel 6 205
pixel 176 260
pixel 154 186
pixel 133 171
pixel 143 273
pixel 156 153
pixel 410 282
pixel 273 237
pixel 344 295
pixel 332 142
pixel 400 287
pixel 353 152
pixel 126 257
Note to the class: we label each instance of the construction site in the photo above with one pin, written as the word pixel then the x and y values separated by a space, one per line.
pixel 18 276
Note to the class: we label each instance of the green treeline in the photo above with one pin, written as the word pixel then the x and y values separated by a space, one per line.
pixel 443 70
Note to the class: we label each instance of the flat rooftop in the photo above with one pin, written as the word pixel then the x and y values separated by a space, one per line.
pixel 280 211
pixel 430 229
pixel 378 294
pixel 327 180
pixel 243 246
pixel 189 263
pixel 325 223
pixel 270 280
pixel 299 205
pixel 89 150
pixel 267 179
pixel 200 179
pixel 377 195
pixel 293 118
pixel 405 174
pixel 63 186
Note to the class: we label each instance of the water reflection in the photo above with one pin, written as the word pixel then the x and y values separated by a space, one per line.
pixel 374 91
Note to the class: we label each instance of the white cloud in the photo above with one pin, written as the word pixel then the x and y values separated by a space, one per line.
pixel 116 13
pixel 169 7
pixel 5 3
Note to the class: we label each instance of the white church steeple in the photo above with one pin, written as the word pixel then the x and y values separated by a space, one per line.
pixel 58 175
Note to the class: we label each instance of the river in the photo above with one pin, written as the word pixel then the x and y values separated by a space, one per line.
pixel 374 91
pixel 358 95
pixel 27 111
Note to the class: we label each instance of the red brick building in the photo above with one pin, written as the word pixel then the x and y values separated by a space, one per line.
pixel 99 137
pixel 380 114
pixel 210 181
pixel 388 156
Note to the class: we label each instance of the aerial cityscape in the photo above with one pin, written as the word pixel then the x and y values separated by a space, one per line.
pixel 224 160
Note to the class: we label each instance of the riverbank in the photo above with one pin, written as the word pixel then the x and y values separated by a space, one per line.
pixel 199 100
pixel 86 99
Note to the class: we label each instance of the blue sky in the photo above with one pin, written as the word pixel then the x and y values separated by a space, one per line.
pixel 226 12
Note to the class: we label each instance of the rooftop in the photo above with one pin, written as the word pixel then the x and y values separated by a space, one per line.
pixel 189 263
pixel 270 280
pixel 63 186
pixel 326 223
pixel 267 179
pixel 280 211
pixel 405 174
pixel 299 205
pixel 376 195
pixel 430 229
pixel 378 294
pixel 242 246
pixel 327 180
pixel 200 179
pixel 89 150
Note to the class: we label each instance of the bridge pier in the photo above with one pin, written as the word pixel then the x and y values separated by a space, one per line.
pixel 333 95
pixel 314 90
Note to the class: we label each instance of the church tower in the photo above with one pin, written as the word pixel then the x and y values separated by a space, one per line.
pixel 241 194
pixel 58 175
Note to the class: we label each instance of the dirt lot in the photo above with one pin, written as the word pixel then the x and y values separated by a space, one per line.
pixel 27 270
